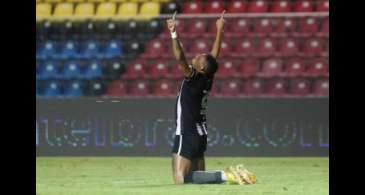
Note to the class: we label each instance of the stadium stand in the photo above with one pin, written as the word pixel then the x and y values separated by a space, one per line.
pixel 120 55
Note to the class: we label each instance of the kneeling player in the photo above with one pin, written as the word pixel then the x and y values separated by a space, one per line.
pixel 191 130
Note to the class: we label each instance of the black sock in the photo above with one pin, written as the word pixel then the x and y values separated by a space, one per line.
pixel 204 177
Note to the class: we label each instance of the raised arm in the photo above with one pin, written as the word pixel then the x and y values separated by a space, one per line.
pixel 176 47
pixel 218 39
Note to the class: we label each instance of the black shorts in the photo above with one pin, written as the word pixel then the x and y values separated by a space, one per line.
pixel 190 146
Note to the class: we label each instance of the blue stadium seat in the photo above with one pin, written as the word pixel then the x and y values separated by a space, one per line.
pixel 93 70
pixel 71 70
pixel 113 49
pixel 46 50
pixel 74 89
pixel 69 50
pixel 49 70
pixel 52 89
pixel 91 50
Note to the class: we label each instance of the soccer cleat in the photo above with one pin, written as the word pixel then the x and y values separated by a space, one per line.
pixel 232 176
pixel 239 175
pixel 246 176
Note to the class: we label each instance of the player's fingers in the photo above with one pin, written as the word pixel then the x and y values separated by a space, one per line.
pixel 224 11
pixel 173 16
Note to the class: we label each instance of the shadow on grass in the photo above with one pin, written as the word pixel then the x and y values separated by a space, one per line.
pixel 165 185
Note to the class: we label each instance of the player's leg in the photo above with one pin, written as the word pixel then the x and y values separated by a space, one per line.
pixel 198 164
pixel 181 158
pixel 197 173
pixel 180 167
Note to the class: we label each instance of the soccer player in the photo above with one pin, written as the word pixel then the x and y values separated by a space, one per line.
pixel 190 142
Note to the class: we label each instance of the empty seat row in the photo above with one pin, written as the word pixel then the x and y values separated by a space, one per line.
pixel 100 1
pixel 87 50
pixel 75 88
pixel 255 6
pixel 303 26
pixel 261 47
pixel 249 67
pixel 106 9
pixel 110 29
pixel 229 87
pixel 75 70
pixel 224 87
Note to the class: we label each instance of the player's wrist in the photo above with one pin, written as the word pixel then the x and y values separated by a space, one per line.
pixel 173 34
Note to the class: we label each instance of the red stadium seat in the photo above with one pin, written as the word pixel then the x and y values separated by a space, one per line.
pixel 258 6
pixel 117 89
pixel 212 29
pixel 154 49
pixel 243 48
pixel 139 88
pixel 226 49
pixel 313 47
pixel 230 87
pixel 321 87
pixel 215 91
pixel 198 47
pixel 318 67
pixel 288 47
pixel 325 48
pixel 159 69
pixel 324 32
pixel 196 27
pixel 322 6
pixel 276 87
pixel 266 47
pixel 271 67
pixel 249 67
pixel 308 26
pixel 236 6
pixel 184 42
pixel 281 6
pixel 135 69
pixel 299 87
pixel 176 85
pixel 227 68
pixel 163 88
pixel 253 87
pixel 263 27
pixel 284 27
pixel 193 7
pixel 214 7
pixel 294 67
pixel 303 6
pixel 238 28
pixel 176 71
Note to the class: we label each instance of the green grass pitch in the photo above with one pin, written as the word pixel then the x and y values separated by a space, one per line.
pixel 152 176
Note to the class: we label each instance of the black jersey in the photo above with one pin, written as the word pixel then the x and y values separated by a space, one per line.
pixel 191 104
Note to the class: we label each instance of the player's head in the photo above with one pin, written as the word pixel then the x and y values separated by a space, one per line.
pixel 205 64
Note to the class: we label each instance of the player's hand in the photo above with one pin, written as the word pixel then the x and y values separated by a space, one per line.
pixel 220 22
pixel 171 23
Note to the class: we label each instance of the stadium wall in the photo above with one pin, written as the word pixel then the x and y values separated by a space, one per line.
pixel 145 127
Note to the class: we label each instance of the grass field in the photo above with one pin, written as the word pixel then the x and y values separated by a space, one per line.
pixel 152 176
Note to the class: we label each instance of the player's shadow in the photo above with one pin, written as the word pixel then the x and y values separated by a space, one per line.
pixel 150 186
pixel 163 185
